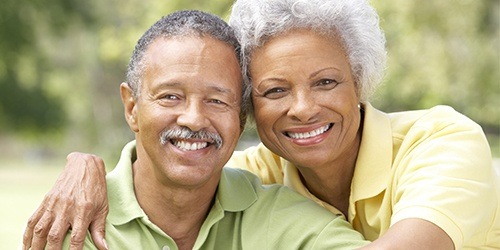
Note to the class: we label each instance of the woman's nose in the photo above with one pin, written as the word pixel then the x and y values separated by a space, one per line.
pixel 303 106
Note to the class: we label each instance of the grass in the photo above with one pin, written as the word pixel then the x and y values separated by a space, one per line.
pixel 22 188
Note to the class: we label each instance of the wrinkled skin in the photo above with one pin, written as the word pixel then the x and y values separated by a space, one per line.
pixel 80 195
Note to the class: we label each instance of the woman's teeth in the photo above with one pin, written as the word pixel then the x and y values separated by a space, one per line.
pixel 309 134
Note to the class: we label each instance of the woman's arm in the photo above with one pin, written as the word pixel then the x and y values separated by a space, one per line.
pixel 77 201
pixel 413 234
pixel 442 169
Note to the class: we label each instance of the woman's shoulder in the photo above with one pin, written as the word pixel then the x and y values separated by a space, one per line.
pixel 435 118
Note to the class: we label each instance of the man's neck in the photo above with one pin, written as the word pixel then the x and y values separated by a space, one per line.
pixel 178 211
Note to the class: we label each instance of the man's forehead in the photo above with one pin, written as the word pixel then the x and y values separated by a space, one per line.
pixel 186 38
pixel 191 45
pixel 207 86
pixel 205 61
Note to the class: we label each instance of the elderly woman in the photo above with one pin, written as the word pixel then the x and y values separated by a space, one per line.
pixel 408 180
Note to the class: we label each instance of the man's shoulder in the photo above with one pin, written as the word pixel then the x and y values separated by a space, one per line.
pixel 276 198
pixel 281 217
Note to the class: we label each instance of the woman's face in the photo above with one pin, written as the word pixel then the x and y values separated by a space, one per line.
pixel 305 99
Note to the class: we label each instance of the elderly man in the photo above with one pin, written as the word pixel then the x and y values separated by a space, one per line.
pixel 169 189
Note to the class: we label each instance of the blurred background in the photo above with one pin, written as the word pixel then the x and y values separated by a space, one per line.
pixel 61 63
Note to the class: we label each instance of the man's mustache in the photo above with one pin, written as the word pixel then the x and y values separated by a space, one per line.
pixel 186 133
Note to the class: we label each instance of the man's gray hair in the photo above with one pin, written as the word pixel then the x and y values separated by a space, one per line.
pixel 178 24
pixel 354 21
pixel 183 23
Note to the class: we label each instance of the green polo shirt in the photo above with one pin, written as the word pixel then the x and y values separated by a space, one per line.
pixel 245 215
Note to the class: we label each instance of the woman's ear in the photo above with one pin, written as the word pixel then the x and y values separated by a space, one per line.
pixel 130 106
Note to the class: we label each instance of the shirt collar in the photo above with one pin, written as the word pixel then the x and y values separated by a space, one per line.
pixel 235 191
pixel 373 165
pixel 123 206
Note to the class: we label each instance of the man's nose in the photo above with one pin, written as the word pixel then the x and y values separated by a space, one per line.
pixel 193 116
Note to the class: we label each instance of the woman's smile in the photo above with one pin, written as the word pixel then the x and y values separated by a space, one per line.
pixel 305 98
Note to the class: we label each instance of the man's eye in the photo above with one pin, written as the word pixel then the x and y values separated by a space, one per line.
pixel 216 101
pixel 170 97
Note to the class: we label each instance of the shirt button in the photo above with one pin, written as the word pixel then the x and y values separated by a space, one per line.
pixel 165 248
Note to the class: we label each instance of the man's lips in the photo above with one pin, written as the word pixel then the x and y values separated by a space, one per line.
pixel 313 133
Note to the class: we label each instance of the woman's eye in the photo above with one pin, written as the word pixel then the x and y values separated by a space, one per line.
pixel 325 82
pixel 274 93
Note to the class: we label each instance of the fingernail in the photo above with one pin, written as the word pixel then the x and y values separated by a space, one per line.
pixel 105 244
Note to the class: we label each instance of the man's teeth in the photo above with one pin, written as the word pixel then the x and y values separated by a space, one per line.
pixel 309 134
pixel 187 146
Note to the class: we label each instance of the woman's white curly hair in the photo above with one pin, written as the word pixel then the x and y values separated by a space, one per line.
pixel 354 21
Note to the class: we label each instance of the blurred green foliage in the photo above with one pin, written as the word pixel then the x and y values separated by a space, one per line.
pixel 443 52
pixel 24 105
pixel 62 61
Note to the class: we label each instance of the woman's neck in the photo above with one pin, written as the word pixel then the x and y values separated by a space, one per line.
pixel 333 188
pixel 331 182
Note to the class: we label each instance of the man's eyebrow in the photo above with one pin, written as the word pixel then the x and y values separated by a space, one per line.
pixel 220 89
pixel 167 84
pixel 209 86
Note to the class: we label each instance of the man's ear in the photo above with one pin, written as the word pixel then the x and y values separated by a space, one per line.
pixel 130 106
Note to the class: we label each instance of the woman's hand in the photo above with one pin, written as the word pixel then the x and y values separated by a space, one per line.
pixel 78 201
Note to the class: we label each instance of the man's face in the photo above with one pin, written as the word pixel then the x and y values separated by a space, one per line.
pixel 191 84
